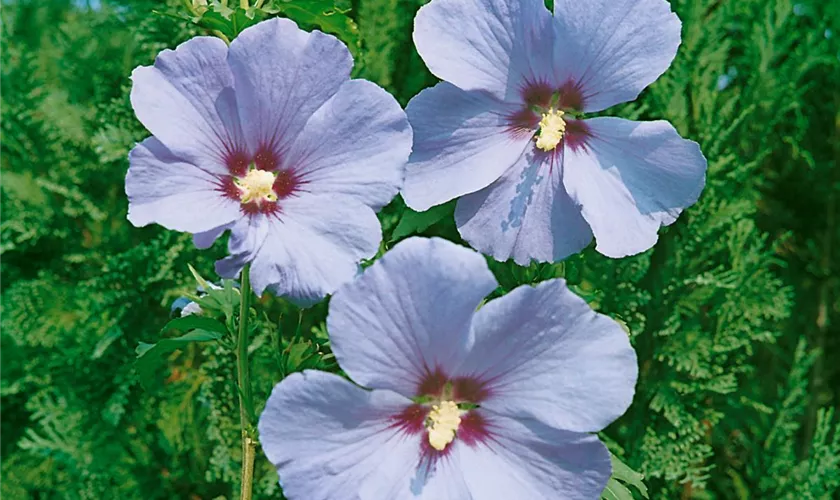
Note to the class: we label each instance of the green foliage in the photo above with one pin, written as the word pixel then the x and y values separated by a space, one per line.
pixel 733 314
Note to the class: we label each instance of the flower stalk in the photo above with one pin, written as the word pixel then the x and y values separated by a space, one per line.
pixel 249 443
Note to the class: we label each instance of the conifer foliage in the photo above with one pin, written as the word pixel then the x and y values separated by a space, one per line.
pixel 733 314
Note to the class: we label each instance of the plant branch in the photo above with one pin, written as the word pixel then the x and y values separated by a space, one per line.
pixel 249 444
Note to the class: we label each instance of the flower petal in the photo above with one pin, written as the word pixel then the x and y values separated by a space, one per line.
pixel 613 49
pixel 490 45
pixel 545 354
pixel 307 251
pixel 631 178
pixel 526 214
pixel 172 192
pixel 436 477
pixel 462 143
pixel 205 240
pixel 408 314
pixel 528 459
pixel 330 439
pixel 187 101
pixel 283 74
pixel 356 145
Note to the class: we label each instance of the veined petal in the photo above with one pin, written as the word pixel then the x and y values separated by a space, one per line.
pixel 408 314
pixel 462 143
pixel 247 236
pixel 283 74
pixel 630 179
pixel 356 144
pixel 330 439
pixel 526 214
pixel 488 45
pixel 205 240
pixel 543 353
pixel 174 193
pixel 308 250
pixel 187 101
pixel 528 459
pixel 613 49
pixel 423 478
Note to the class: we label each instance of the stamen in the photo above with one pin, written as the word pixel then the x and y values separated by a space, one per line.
pixel 257 185
pixel 442 423
pixel 552 128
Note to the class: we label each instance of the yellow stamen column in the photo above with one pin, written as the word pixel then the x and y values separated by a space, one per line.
pixel 257 185
pixel 442 423
pixel 552 128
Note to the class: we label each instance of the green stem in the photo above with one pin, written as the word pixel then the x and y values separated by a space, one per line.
pixel 249 444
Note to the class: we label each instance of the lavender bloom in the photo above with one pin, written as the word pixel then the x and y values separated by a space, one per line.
pixel 270 139
pixel 486 404
pixel 504 131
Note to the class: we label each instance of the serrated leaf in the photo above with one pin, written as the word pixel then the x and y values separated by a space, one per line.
pixel 616 491
pixel 415 222
pixel 214 21
pixel 195 323
pixel 151 357
pixel 224 300
pixel 328 15
pixel 202 283
pixel 622 472
pixel 221 18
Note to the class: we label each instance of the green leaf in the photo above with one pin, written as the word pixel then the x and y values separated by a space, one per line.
pixel 224 300
pixel 212 20
pixel 300 356
pixel 328 15
pixel 151 357
pixel 416 222
pixel 621 472
pixel 198 278
pixel 195 323
pixel 616 491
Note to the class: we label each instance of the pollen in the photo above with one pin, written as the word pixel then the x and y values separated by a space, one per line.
pixel 256 186
pixel 442 423
pixel 552 128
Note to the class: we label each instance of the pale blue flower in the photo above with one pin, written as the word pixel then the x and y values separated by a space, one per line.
pixel 189 307
pixel 504 131
pixel 270 139
pixel 487 404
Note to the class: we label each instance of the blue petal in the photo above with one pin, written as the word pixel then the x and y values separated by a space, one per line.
pixel 165 189
pixel 613 49
pixel 330 439
pixel 205 240
pixel 462 143
pixel 307 251
pixel 630 179
pixel 527 459
pixel 489 45
pixel 187 101
pixel 526 214
pixel 356 144
pixel 408 314
pixel 283 74
pixel 548 356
